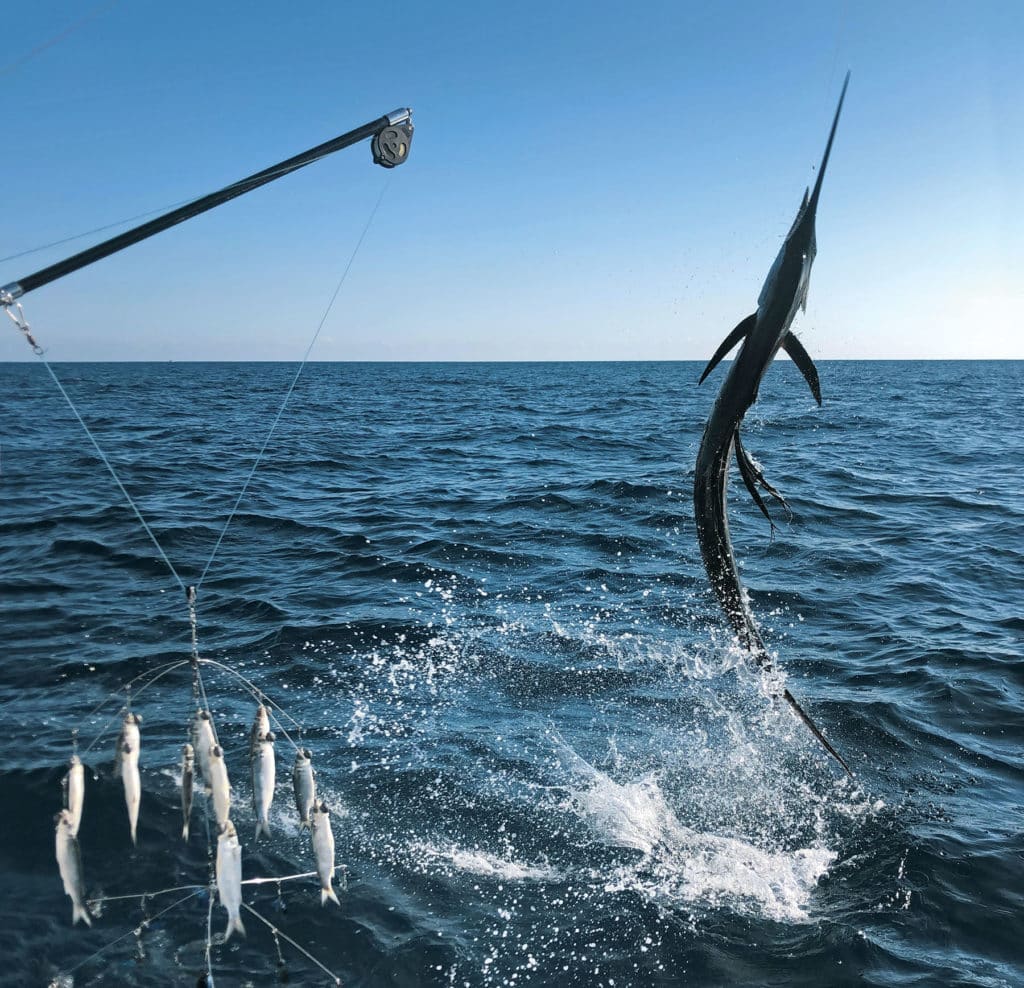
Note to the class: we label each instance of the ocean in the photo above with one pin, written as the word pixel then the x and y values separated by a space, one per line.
pixel 475 589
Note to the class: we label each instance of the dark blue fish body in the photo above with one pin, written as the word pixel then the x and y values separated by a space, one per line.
pixel 763 334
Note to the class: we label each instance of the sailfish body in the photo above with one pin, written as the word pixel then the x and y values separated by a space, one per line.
pixel 762 334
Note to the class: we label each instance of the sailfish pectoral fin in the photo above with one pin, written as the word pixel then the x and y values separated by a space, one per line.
pixel 753 477
pixel 802 359
pixel 728 343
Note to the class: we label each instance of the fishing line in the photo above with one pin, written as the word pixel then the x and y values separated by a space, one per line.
pixel 206 706
pixel 60 36
pixel 113 472
pixel 116 695
pixel 98 229
pixel 17 316
pixel 257 693
pixel 170 667
pixel 260 697
pixel 138 693
pixel 211 880
pixel 103 730
pixel 211 867
pixel 840 31
pixel 302 950
pixel 209 938
pixel 131 932
pixel 826 101
pixel 147 895
pixel 295 380
pixel 198 685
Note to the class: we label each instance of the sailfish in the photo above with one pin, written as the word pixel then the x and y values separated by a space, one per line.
pixel 761 335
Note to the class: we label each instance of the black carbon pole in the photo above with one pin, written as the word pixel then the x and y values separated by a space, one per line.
pixel 392 135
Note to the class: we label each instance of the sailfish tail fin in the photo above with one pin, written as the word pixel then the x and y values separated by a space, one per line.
pixel 816 731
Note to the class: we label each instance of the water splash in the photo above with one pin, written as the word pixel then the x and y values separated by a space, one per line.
pixel 477 861
pixel 679 865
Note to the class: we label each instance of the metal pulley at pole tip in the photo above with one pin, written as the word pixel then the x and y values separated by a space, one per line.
pixel 392 142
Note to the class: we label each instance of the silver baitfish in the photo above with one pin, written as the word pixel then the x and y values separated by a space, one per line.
pixel 323 850
pixel 260 727
pixel 263 778
pixel 220 786
pixel 74 793
pixel 188 771
pixel 127 761
pixel 69 861
pixel 305 786
pixel 229 877
pixel 203 740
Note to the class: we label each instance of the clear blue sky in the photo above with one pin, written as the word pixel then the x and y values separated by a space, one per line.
pixel 588 180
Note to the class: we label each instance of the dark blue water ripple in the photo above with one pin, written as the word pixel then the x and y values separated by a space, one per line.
pixel 477 587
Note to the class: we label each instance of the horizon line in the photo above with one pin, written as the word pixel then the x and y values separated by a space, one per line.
pixel 505 360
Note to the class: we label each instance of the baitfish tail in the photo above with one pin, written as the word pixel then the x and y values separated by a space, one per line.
pixel 326 894
pixel 80 912
pixel 233 925
pixel 262 827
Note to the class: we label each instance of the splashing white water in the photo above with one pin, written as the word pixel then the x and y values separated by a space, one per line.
pixel 681 865
pixel 477 861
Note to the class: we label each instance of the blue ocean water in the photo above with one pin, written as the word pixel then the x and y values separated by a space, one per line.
pixel 478 589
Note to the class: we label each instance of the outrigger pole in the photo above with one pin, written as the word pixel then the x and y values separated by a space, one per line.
pixel 392 136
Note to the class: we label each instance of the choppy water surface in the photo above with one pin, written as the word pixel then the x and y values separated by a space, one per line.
pixel 478 588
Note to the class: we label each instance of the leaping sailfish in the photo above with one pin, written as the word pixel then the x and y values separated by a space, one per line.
pixel 763 334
